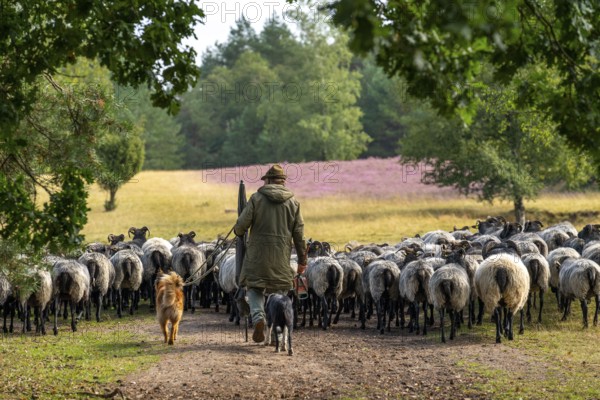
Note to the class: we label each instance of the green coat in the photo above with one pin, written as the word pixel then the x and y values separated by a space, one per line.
pixel 274 218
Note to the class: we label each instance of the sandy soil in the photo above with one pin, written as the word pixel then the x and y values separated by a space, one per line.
pixel 212 360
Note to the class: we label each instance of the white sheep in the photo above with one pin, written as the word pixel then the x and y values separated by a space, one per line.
pixel 381 277
pixel 325 277
pixel 502 280
pixel 555 259
pixel 414 288
pixel 225 271
pixel 591 251
pixel 71 284
pixel 190 263
pixel 6 301
pixel 128 278
pixel 580 280
pixel 101 273
pixel 156 257
pixel 450 291
pixel 539 273
pixel 39 299
pixel 438 237
pixel 352 287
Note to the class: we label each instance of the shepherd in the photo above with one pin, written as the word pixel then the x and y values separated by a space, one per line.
pixel 275 221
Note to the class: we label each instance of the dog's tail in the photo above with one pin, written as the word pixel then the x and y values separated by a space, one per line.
pixel 169 285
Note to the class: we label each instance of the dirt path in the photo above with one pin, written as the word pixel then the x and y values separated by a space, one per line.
pixel 212 360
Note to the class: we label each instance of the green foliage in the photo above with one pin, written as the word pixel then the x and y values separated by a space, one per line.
pixel 383 103
pixel 162 136
pixel 507 152
pixel 138 43
pixel 121 155
pixel 274 97
pixel 442 48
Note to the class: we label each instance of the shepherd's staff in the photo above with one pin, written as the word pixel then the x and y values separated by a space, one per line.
pixel 240 251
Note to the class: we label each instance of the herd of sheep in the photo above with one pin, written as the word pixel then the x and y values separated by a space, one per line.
pixel 499 269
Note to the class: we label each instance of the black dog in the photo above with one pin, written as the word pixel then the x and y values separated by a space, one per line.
pixel 281 314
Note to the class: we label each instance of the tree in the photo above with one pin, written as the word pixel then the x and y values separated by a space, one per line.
pixel 161 133
pixel 49 126
pixel 383 103
pixel 121 155
pixel 442 48
pixel 506 153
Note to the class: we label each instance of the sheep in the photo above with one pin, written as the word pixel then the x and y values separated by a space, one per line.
pixel 510 229
pixel 592 251
pixel 189 262
pixel 7 302
pixel 381 278
pixel 450 290
pixel 555 260
pixel 351 287
pixel 71 284
pixel 279 312
pixel 470 263
pixel 139 235
pixel 128 277
pixel 462 233
pixel 589 232
pixel 101 273
pixel 575 243
pixel 483 240
pixel 533 226
pixel 225 270
pixel 437 237
pixel 156 257
pixel 325 277
pixel 503 281
pixel 580 279
pixel 535 239
pixel 539 273
pixel 414 287
pixel 39 299
pixel 564 226
pixel 490 226
pixel 362 257
pixel 554 238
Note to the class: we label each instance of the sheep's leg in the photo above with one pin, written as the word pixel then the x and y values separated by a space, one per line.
pixel 584 311
pixel 304 308
pixel 378 309
pixel 119 302
pixel 88 307
pixel 337 314
pixel 453 324
pixel 389 305
pixel 325 307
pixel 12 317
pixel 131 296
pixel 369 306
pixel 541 306
pixel 401 312
pixel 597 309
pixel 352 305
pixel 98 305
pixel 311 306
pixel 36 319
pixel 425 319
pixel 25 320
pixel 565 309
pixel 276 341
pixel 431 320
pixel 230 309
pixel 509 323
pixel 416 314
pixel 4 316
pixel 498 324
pixel 193 291
pixel 73 309
pixel 442 312
pixel 480 314
pixel 361 314
pixel 289 340
pixel 56 311
pixel 521 322
pixel 65 312
pixel 471 313
pixel 42 315
pixel 529 307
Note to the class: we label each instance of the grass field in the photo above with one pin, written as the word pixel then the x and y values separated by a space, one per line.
pixel 170 202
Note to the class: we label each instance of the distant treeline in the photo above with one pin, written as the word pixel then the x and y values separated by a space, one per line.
pixel 277 96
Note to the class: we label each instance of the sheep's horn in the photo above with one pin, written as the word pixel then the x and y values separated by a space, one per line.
pixel 145 228
pixel 110 237
pixel 130 231
pixel 192 234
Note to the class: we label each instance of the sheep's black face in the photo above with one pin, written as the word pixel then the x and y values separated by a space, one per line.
pixel 590 232
pixel 533 226
pixel 138 234
pixel 187 238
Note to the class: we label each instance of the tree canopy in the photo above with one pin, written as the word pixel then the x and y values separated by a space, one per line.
pixel 442 48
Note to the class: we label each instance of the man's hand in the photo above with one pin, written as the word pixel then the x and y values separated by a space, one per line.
pixel 301 269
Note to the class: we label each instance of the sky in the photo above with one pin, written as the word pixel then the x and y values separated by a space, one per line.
pixel 222 15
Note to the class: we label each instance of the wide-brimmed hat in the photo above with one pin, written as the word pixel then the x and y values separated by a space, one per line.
pixel 275 172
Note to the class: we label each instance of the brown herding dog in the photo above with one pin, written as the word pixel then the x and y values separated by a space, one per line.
pixel 169 303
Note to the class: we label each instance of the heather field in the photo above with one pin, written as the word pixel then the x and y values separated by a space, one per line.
pixel 372 200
